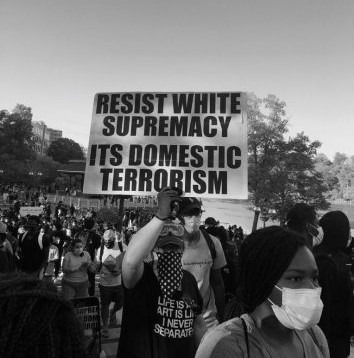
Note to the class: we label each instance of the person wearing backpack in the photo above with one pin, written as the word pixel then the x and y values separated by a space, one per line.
pixel 203 258
pixel 109 265
pixel 334 278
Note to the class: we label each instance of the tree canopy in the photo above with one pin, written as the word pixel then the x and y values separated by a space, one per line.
pixel 64 149
pixel 281 171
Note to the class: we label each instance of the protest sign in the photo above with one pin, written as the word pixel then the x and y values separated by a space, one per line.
pixel 141 142
pixel 31 210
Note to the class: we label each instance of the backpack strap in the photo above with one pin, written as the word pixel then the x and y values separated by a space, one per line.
pixel 210 243
pixel 246 337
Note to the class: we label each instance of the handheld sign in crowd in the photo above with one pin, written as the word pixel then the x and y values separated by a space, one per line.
pixel 142 142
pixel 31 210
pixel 87 310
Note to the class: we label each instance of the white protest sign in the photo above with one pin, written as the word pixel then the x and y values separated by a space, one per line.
pixel 31 210
pixel 141 142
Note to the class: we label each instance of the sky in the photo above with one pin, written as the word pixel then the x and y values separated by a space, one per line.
pixel 55 55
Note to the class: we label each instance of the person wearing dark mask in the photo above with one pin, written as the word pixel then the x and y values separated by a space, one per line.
pixel 302 218
pixel 281 302
pixel 109 265
pixel 75 280
pixel 334 278
pixel 162 302
pixel 32 252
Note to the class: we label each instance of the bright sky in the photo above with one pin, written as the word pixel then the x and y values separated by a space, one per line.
pixel 55 55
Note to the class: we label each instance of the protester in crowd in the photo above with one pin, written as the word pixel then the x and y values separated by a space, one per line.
pixel 91 243
pixel 109 264
pixel 161 300
pixel 302 218
pixel 35 321
pixel 334 278
pixel 281 299
pixel 75 264
pixel 58 239
pixel 32 254
pixel 204 258
pixel 6 256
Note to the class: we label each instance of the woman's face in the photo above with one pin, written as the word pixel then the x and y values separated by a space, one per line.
pixel 301 273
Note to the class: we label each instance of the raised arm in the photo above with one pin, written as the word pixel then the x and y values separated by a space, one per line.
pixel 144 240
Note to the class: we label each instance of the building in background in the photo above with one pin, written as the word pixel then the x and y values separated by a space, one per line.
pixel 43 137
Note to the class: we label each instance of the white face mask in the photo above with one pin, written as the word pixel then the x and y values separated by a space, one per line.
pixel 301 308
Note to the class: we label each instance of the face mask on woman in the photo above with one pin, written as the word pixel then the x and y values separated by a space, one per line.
pixel 300 309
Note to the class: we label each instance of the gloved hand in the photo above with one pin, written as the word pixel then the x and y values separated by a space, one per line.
pixel 164 199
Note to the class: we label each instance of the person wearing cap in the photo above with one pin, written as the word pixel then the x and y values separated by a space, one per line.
pixel 337 320
pixel 109 262
pixel 197 259
pixel 162 302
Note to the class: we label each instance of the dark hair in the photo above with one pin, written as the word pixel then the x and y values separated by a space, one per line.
pixel 89 223
pixel 75 241
pixel 336 229
pixel 264 257
pixel 299 215
pixel 36 321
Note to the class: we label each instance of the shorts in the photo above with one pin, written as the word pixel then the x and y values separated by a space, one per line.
pixel 111 294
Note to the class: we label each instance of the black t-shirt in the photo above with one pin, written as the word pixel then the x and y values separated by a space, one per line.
pixel 154 326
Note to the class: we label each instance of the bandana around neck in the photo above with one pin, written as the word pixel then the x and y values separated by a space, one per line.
pixel 169 269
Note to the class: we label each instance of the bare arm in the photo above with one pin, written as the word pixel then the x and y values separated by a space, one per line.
pixel 144 240
pixel 139 247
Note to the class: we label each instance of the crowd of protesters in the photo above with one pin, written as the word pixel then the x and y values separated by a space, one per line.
pixel 278 290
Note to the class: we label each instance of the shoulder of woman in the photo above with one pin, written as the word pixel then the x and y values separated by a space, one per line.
pixel 224 341
pixel 87 255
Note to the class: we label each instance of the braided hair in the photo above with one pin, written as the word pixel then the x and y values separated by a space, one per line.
pixel 36 321
pixel 264 257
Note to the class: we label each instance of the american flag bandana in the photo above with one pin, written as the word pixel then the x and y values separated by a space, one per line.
pixel 169 269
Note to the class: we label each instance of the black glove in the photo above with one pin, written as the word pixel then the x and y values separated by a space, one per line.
pixel 164 199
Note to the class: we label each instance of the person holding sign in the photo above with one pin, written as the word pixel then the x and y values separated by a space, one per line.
pixel 162 302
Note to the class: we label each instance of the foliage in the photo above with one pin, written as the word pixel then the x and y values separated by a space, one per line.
pixel 281 171
pixel 64 149
pixel 16 133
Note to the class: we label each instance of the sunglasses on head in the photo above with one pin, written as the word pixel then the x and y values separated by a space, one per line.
pixel 193 212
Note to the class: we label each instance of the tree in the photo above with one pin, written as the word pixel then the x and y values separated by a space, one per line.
pixel 281 171
pixel 16 133
pixel 64 149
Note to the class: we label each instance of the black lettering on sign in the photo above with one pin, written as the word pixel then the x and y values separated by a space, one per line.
pixel 148 106
pixel 235 103
pixel 117 178
pixel 197 162
pixel 117 157
pixel 200 187
pixel 160 179
pixel 161 98
pixel 208 122
pixel 195 127
pixel 145 180
pixel 224 123
pixel 137 122
pixel 93 154
pixel 135 154
pixel 127 106
pixel 223 97
pixel 179 126
pixel 105 177
pixel 183 156
pixel 217 182
pixel 103 148
pixel 182 102
pixel 201 103
pixel 130 180
pixel 231 153
pixel 168 155
pixel 107 122
pixel 114 108
pixel 150 128
pixel 102 103
pixel 150 155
